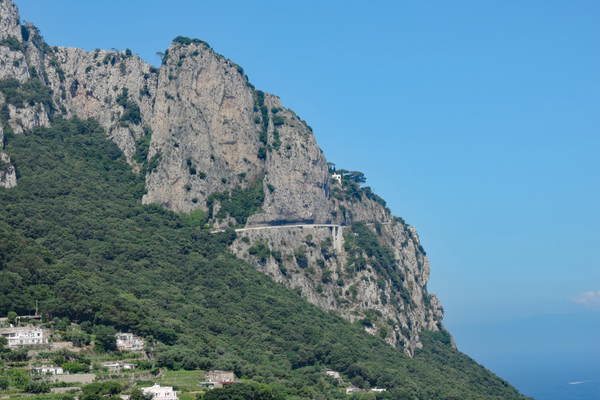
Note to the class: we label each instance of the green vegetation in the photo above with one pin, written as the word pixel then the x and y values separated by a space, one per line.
pixel 278 120
pixel 351 189
pixel 142 147
pixel 262 153
pixel 259 104
pixel 29 93
pixel 131 110
pixel 13 44
pixel 24 33
pixel 361 240
pixel 75 237
pixel 260 250
pixel 183 40
pixel 239 203
pixel 142 150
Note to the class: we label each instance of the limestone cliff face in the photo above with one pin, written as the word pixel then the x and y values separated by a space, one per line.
pixel 196 126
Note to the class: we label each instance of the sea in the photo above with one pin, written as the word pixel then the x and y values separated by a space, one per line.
pixel 555 376
pixel 546 357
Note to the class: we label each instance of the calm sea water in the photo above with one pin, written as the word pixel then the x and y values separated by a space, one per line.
pixel 552 357
pixel 550 377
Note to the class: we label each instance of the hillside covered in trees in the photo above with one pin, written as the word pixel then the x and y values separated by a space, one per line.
pixel 75 236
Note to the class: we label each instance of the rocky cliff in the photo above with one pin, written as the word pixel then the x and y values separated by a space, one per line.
pixel 207 140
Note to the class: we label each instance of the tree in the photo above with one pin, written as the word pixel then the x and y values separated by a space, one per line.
pixel 12 317
pixel 106 339
pixel 357 177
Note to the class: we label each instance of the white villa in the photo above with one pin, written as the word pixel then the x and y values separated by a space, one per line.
pixel 337 177
pixel 19 337
pixel 117 367
pixel 128 341
pixel 333 374
pixel 220 376
pixel 160 393
pixel 352 389
pixel 48 370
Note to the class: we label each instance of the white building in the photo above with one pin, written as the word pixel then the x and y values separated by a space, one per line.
pixel 48 369
pixel 160 393
pixel 128 341
pixel 220 376
pixel 117 367
pixel 352 389
pixel 333 374
pixel 19 337
pixel 113 367
pixel 378 390
pixel 337 177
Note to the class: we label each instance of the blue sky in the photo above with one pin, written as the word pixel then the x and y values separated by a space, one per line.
pixel 478 122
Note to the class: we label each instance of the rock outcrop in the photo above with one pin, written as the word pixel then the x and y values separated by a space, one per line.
pixel 197 127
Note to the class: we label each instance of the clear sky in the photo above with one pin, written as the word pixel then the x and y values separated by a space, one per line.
pixel 477 121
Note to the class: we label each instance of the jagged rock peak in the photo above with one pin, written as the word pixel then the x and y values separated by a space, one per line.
pixel 10 25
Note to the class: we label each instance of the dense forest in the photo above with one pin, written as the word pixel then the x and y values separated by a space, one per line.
pixel 75 237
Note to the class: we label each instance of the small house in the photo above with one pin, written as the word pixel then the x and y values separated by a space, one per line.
pixel 220 376
pixel 160 392
pixel 333 374
pixel 352 389
pixel 337 177
pixel 113 367
pixel 47 370
pixel 129 342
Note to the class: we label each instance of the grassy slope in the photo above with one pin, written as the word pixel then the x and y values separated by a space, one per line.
pixel 75 236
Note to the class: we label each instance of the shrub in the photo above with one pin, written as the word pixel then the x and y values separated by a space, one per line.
pixel 36 387
pixel 278 120
pixel 13 44
pixel 224 180
pixel 88 69
pixel 260 250
pixel 277 256
pixel 132 110
pixel 262 153
pixel 24 33
pixel 301 259
pixel 271 187
pixel 240 204
pixel 326 276
pixel 194 200
pixel 276 141
pixel 29 92
pixel 192 171
pixel 202 175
